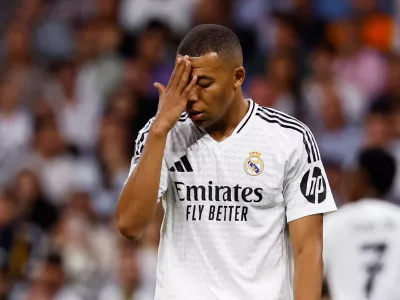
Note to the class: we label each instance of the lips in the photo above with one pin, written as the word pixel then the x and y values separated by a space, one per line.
pixel 194 114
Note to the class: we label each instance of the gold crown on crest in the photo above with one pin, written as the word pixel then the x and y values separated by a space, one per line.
pixel 255 154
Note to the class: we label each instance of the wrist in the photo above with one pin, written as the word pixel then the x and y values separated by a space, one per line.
pixel 158 130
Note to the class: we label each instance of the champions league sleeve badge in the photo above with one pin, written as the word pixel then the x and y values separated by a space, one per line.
pixel 254 165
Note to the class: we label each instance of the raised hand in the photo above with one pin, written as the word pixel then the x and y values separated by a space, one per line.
pixel 174 97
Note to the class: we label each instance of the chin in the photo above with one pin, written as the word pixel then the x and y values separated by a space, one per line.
pixel 200 123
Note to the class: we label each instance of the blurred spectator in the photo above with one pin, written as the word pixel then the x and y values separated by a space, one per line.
pixel 47 283
pixel 58 170
pixel 135 14
pixel 378 131
pixel 279 88
pixel 109 63
pixel 74 104
pixel 113 163
pixel 15 129
pixel 390 96
pixel 33 207
pixel 378 28
pixel 360 65
pixel 310 27
pixel 215 12
pixel 322 79
pixel 18 65
pixel 126 283
pixel 253 25
pixel 151 55
pixel 7 215
pixel 286 37
pixel 85 38
pixel 336 138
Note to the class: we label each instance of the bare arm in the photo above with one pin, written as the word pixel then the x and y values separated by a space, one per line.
pixel 137 203
pixel 306 239
pixel 138 200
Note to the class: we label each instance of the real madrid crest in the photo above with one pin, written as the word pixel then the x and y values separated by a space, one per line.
pixel 254 165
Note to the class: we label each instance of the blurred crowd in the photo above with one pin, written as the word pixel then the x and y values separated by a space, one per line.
pixel 76 85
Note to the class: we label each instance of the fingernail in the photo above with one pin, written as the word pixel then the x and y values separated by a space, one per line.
pixel 179 60
pixel 186 57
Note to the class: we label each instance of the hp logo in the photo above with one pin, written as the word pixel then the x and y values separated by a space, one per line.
pixel 313 186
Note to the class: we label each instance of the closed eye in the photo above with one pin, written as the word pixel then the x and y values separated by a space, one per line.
pixel 204 85
pixel 204 81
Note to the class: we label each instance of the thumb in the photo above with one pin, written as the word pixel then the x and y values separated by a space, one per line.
pixel 160 88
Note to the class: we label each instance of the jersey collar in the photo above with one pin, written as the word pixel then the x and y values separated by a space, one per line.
pixel 251 111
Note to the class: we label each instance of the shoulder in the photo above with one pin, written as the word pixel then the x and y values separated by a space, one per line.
pixel 183 134
pixel 287 125
pixel 294 133
pixel 182 123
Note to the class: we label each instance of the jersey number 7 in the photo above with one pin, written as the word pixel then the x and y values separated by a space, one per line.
pixel 375 266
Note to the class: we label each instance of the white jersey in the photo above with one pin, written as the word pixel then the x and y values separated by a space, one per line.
pixel 362 251
pixel 227 204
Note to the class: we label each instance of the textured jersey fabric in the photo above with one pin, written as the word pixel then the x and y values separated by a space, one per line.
pixel 227 205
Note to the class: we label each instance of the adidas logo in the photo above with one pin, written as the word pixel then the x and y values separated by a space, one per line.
pixel 182 165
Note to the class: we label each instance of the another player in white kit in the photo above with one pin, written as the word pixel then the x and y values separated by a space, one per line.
pixel 362 240
pixel 231 175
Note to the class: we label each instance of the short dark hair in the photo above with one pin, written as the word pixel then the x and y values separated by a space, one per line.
pixel 208 38
pixel 379 167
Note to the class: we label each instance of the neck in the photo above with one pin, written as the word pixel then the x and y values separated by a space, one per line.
pixel 372 195
pixel 367 194
pixel 234 114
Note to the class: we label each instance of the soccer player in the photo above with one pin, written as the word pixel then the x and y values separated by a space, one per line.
pixel 362 240
pixel 231 175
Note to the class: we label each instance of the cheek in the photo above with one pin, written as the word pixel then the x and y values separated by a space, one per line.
pixel 215 97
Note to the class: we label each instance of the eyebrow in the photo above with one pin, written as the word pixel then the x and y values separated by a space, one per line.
pixel 204 77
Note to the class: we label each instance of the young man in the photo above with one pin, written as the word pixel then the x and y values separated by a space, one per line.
pixel 362 240
pixel 231 174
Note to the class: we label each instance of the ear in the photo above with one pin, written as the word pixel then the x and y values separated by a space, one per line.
pixel 239 76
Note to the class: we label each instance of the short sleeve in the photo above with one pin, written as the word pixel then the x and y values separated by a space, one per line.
pixel 306 188
pixel 139 145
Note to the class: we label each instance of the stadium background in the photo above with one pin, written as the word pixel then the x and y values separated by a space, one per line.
pixel 76 85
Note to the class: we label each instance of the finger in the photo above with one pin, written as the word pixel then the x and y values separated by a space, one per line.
pixel 179 74
pixel 185 77
pixel 190 87
pixel 160 88
pixel 173 75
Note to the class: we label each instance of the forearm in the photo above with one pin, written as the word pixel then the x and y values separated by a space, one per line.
pixel 138 200
pixel 308 273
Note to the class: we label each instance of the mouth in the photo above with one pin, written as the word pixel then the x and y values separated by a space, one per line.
pixel 195 115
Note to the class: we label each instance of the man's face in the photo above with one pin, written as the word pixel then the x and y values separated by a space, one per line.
pixel 217 81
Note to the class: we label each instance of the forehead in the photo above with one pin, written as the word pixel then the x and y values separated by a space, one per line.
pixel 208 64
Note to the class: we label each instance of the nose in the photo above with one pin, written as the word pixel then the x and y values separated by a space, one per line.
pixel 194 95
